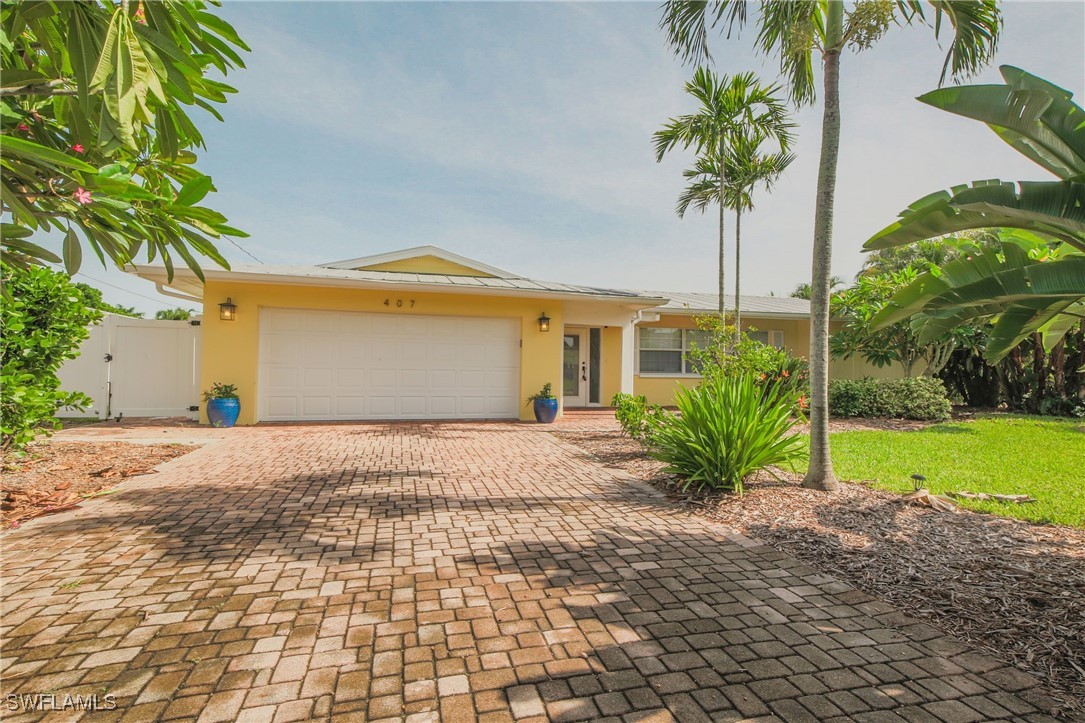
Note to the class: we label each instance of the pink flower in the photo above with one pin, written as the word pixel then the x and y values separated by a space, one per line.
pixel 785 373
pixel 82 196
pixel 78 148
pixel 22 127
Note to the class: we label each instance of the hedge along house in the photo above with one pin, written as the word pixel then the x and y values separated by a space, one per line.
pixel 424 333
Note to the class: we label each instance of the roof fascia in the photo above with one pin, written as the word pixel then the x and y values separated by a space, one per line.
pixel 415 252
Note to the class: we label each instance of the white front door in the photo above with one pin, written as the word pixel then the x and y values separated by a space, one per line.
pixel 574 368
pixel 343 365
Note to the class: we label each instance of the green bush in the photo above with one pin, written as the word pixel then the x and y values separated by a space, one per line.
pixel 639 419
pixel 45 319
pixel 923 398
pixel 727 429
pixel 717 353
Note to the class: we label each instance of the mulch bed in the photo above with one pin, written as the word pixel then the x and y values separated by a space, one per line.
pixel 56 476
pixel 1012 588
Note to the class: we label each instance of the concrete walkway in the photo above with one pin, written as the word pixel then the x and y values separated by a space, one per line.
pixel 454 571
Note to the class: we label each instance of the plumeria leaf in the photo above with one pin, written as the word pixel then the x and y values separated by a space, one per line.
pixel 73 253
pixel 32 151
pixel 194 191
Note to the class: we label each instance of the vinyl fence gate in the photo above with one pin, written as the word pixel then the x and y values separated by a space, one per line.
pixel 136 368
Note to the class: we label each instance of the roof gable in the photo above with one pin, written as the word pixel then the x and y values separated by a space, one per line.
pixel 423 260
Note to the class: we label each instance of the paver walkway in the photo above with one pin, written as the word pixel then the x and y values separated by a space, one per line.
pixel 367 572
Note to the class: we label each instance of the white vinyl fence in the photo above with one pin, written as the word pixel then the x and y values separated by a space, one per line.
pixel 136 368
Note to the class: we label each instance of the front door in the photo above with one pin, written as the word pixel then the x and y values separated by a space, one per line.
pixel 574 367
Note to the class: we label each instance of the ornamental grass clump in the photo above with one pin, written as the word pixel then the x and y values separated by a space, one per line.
pixel 727 429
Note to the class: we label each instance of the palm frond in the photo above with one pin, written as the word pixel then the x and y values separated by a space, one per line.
pixel 976 27
pixel 687 22
pixel 789 31
pixel 701 193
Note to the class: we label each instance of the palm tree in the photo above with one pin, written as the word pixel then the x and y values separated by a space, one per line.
pixel 794 32
pixel 727 104
pixel 174 314
pixel 802 291
pixel 746 167
pixel 751 167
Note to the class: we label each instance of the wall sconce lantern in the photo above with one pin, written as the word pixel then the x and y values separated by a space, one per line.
pixel 228 310
pixel 544 322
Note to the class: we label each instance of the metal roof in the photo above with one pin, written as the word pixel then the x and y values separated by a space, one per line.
pixel 685 302
pixel 185 281
pixel 658 301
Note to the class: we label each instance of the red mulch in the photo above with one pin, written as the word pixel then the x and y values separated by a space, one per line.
pixel 1010 587
pixel 55 476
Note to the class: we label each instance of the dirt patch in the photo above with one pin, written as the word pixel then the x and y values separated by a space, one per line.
pixel 860 424
pixel 1014 589
pixel 55 476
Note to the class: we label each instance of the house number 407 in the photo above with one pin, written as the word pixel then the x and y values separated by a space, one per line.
pixel 398 303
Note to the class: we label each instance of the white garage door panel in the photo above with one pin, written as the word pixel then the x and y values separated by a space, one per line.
pixel 330 365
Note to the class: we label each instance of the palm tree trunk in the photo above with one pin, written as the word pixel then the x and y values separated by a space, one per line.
pixel 820 475
pixel 738 271
pixel 723 208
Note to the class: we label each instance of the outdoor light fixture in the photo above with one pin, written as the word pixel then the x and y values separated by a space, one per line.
pixel 228 310
pixel 544 322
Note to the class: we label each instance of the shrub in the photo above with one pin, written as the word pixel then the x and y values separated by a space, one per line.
pixel 219 390
pixel 544 393
pixel 727 429
pixel 45 319
pixel 718 354
pixel 639 419
pixel 922 398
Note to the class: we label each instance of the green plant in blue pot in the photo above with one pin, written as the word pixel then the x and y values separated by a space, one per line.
pixel 223 406
pixel 545 404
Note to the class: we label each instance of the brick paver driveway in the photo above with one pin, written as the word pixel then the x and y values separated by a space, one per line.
pixel 365 572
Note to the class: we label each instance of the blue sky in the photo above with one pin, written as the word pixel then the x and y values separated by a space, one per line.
pixel 520 134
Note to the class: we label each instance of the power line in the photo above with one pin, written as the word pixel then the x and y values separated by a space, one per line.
pixel 118 288
pixel 243 249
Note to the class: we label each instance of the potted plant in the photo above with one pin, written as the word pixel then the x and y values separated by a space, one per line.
pixel 545 404
pixel 223 406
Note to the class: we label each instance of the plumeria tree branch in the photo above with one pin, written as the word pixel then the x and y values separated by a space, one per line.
pixel 96 107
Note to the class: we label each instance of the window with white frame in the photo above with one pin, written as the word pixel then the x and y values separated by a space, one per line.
pixel 663 351
pixel 666 351
pixel 773 338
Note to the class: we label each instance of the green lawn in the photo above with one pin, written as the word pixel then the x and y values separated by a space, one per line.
pixel 1042 457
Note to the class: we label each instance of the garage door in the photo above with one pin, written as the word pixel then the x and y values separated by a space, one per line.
pixel 330 365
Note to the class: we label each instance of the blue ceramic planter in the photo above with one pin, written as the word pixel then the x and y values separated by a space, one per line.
pixel 546 410
pixel 223 412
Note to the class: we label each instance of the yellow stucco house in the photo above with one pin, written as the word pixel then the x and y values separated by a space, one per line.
pixel 424 333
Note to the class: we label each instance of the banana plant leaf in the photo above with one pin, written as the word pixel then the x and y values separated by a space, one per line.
pixel 1053 208
pixel 1019 293
pixel 1038 119
pixel 1020 320
pixel 1057 328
